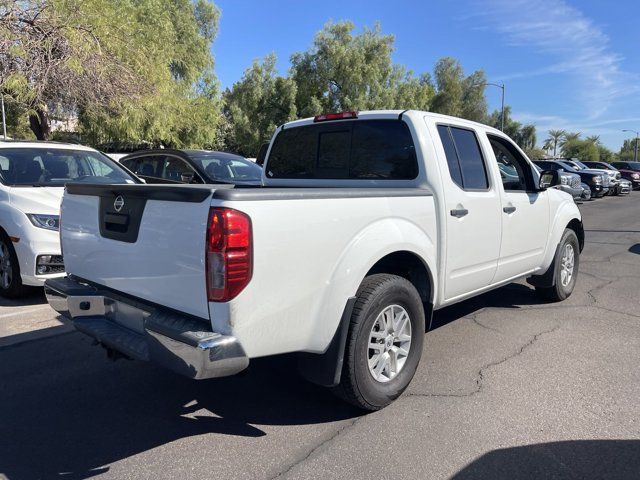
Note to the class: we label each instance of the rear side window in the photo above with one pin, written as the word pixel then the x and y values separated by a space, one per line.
pixel 360 149
pixel 466 164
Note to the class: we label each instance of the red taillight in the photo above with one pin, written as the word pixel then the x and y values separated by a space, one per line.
pixel 335 116
pixel 229 254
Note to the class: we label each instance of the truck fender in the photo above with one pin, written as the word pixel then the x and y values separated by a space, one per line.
pixel 566 214
pixel 372 244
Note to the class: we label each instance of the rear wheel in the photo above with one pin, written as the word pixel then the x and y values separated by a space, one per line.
pixel 565 267
pixel 10 281
pixel 384 343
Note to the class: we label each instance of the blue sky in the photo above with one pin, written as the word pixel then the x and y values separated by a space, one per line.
pixel 566 64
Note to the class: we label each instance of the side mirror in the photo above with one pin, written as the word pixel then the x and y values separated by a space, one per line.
pixel 262 154
pixel 186 177
pixel 549 178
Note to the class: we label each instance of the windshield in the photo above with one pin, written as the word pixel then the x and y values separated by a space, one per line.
pixel 580 164
pixel 227 167
pixel 569 167
pixel 634 166
pixel 54 167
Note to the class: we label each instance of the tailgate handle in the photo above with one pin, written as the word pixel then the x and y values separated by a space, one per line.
pixel 117 219
pixel 115 222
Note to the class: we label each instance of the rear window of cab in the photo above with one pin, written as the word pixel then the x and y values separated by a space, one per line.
pixel 345 149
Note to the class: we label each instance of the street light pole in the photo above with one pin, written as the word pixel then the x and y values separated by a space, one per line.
pixel 635 153
pixel 4 119
pixel 502 87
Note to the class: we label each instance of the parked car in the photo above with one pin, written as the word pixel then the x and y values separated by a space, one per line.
pixel 366 223
pixel 586 192
pixel 32 180
pixel 598 182
pixel 192 166
pixel 633 175
pixel 613 175
pixel 569 183
pixel 624 186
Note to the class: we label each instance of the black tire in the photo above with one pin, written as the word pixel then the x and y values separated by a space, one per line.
pixel 357 384
pixel 9 259
pixel 558 291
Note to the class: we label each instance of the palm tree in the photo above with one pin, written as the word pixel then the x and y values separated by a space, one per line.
pixel 570 137
pixel 553 140
pixel 595 139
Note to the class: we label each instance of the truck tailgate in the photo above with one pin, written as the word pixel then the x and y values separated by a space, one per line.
pixel 143 240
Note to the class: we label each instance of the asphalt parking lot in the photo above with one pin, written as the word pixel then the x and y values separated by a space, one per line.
pixel 508 388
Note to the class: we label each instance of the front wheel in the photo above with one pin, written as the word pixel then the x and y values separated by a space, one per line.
pixel 565 268
pixel 10 281
pixel 384 343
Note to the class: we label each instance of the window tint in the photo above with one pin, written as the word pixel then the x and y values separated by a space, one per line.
pixel 148 166
pixel 474 173
pixel 130 163
pixel 513 167
pixel 227 167
pixel 452 156
pixel 360 149
pixel 174 167
pixel 57 166
pixel 462 148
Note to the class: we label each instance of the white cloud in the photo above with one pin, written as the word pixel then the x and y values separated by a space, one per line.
pixel 576 45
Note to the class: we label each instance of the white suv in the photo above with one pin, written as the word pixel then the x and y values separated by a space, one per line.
pixel 32 180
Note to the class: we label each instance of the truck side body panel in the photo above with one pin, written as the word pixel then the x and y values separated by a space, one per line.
pixel 310 256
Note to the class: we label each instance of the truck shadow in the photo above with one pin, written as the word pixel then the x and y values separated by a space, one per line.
pixel 513 295
pixel 585 459
pixel 65 408
pixel 33 296
pixel 67 412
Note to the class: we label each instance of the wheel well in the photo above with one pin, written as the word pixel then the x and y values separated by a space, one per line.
pixel 407 265
pixel 576 226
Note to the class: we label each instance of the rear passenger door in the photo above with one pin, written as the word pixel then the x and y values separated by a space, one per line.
pixel 472 213
pixel 525 212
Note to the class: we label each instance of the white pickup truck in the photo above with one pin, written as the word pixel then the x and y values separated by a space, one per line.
pixel 365 223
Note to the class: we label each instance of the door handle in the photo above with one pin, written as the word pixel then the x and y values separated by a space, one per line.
pixel 510 209
pixel 459 212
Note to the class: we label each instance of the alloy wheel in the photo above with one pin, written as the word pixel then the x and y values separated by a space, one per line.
pixel 389 343
pixel 567 264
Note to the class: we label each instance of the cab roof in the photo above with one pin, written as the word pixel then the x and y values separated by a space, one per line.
pixel 396 114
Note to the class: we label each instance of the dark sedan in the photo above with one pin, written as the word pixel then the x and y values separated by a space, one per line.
pixel 192 166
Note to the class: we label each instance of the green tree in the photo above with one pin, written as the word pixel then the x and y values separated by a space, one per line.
pixel 569 137
pixel 343 71
pixel 524 135
pixel 535 153
pixel 458 95
pixel 256 105
pixel 583 150
pixel 627 152
pixel 606 155
pixel 553 140
pixel 101 61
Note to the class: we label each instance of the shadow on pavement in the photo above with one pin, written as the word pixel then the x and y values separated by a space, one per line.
pixel 584 459
pixel 513 295
pixel 65 408
pixel 33 296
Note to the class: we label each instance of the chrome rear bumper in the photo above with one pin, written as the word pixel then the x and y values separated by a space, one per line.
pixel 146 332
